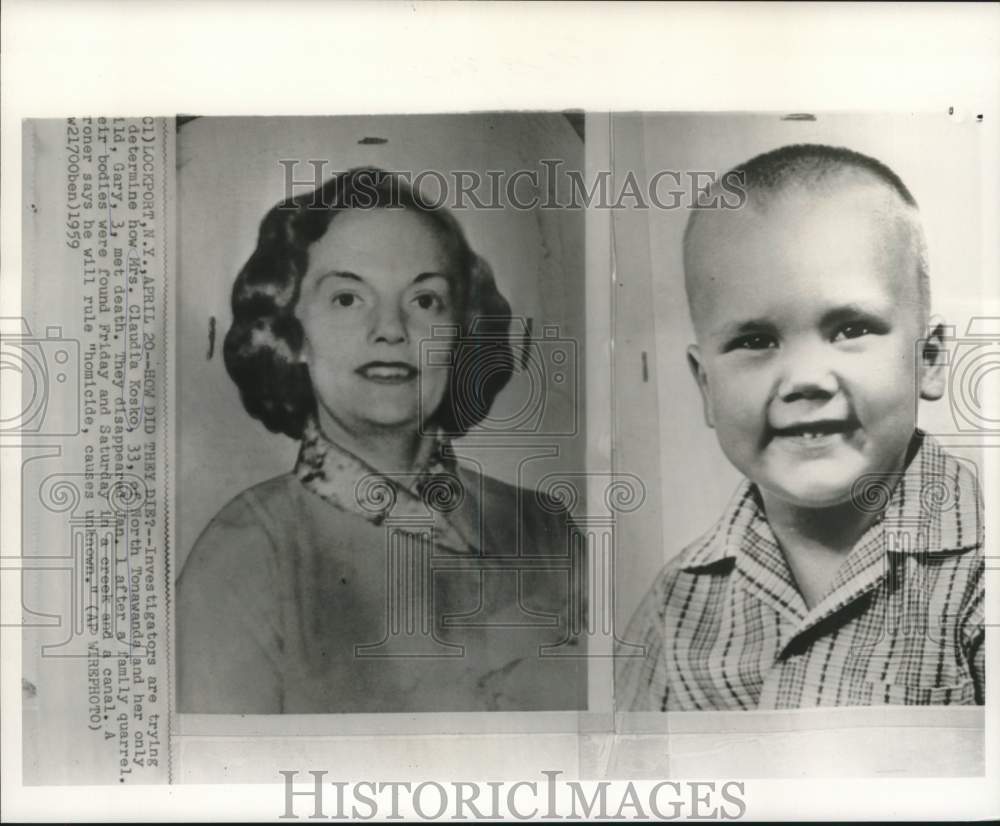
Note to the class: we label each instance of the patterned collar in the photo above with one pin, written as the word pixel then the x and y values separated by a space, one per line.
pixel 411 502
pixel 930 508
pixel 936 498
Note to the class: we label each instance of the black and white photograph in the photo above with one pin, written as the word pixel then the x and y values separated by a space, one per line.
pixel 818 345
pixel 484 411
pixel 381 354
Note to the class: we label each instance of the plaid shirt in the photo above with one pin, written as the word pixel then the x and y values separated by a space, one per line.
pixel 724 626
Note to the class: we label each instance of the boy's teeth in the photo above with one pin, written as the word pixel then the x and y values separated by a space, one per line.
pixel 818 431
pixel 807 434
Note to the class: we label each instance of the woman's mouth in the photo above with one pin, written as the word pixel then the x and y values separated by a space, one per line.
pixel 387 372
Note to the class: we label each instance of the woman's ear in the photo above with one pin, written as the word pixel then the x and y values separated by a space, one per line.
pixel 701 379
pixel 933 360
pixel 301 355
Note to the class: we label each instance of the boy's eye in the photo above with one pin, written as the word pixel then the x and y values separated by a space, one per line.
pixel 753 341
pixel 854 329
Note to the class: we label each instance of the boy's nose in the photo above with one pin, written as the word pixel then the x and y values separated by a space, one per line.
pixel 806 375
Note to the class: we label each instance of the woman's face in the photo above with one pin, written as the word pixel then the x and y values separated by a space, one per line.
pixel 376 285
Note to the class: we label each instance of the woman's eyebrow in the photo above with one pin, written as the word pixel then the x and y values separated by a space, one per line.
pixel 350 276
pixel 426 275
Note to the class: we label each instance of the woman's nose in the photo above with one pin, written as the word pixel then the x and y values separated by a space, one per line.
pixel 806 374
pixel 388 325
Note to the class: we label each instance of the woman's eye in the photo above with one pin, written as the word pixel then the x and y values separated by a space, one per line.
pixel 345 299
pixel 854 329
pixel 428 301
pixel 754 341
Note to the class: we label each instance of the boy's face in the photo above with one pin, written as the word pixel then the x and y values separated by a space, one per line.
pixel 807 316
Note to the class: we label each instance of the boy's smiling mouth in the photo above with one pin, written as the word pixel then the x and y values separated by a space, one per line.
pixel 816 434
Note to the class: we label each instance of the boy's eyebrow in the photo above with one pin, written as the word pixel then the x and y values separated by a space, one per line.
pixel 852 310
pixel 738 328
pixel 842 312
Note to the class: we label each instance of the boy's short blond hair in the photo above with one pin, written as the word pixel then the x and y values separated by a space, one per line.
pixel 815 168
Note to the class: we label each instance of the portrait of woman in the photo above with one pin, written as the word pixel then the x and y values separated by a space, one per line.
pixel 379 574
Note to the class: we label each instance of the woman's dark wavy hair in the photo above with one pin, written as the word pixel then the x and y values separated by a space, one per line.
pixel 262 347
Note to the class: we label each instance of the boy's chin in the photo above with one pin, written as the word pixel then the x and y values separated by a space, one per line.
pixel 813 494
pixel 815 500
pixel 814 484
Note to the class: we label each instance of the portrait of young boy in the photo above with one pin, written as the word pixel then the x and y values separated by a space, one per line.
pixel 847 568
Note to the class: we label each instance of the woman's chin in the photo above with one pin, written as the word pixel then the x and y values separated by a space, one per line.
pixel 386 418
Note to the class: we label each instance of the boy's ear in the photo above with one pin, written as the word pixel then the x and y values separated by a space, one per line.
pixel 698 371
pixel 932 361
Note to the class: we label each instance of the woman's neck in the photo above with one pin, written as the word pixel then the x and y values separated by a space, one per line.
pixel 387 450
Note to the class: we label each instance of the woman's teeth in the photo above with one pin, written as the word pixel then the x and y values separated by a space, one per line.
pixel 388 372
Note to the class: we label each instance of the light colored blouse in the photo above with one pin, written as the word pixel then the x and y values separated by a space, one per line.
pixel 338 589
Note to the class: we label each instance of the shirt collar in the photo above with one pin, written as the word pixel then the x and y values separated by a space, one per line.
pixel 413 501
pixel 931 506
pixel 938 493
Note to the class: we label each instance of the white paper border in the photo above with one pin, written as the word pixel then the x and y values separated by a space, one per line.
pixel 230 58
